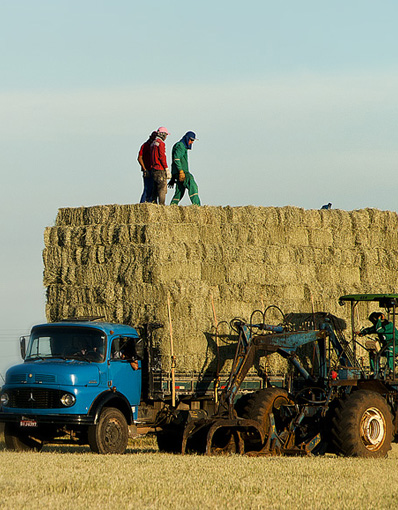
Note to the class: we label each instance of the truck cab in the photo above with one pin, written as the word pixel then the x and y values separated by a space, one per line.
pixel 80 382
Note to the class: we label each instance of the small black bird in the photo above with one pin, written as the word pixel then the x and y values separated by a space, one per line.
pixel 327 206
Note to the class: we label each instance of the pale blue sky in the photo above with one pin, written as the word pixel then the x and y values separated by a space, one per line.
pixel 294 103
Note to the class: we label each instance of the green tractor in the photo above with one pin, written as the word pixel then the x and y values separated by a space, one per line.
pixel 345 402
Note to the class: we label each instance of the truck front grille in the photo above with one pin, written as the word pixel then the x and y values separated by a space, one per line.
pixel 35 398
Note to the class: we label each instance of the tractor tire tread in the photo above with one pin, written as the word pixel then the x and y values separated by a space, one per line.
pixel 346 424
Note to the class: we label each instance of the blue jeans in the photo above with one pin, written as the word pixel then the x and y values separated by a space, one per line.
pixel 148 188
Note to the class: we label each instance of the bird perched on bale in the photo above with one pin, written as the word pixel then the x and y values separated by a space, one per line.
pixel 327 206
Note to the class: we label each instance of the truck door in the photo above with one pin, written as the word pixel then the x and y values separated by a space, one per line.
pixel 125 368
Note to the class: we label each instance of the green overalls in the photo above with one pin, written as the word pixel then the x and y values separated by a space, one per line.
pixel 180 162
pixel 384 330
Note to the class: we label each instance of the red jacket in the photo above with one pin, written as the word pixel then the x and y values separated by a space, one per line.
pixel 158 154
pixel 145 153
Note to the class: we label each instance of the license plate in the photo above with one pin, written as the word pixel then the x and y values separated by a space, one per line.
pixel 28 423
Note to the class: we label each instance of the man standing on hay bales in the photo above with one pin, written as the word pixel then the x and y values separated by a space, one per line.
pixel 159 169
pixel 180 172
pixel 144 159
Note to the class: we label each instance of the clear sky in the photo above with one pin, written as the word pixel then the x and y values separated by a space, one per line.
pixel 293 102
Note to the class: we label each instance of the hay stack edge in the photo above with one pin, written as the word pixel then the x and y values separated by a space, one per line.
pixel 123 261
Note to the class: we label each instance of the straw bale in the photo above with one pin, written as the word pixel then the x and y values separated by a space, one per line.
pixel 343 238
pixel 150 213
pixel 321 237
pixel 96 215
pixel 360 220
pixel 209 233
pixel 386 261
pixel 213 274
pixel 209 253
pixel 64 236
pixel 314 218
pixel 50 236
pixel 69 216
pixel 180 270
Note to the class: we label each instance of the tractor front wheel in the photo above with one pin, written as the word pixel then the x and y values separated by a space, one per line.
pixel 362 425
pixel 258 407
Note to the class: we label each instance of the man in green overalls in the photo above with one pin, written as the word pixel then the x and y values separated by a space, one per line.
pixel 385 332
pixel 180 174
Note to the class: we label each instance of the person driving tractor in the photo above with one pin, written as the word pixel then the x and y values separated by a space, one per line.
pixel 385 332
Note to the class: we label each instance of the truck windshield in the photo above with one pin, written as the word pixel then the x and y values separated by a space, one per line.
pixel 67 343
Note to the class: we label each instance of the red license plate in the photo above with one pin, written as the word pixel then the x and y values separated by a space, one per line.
pixel 28 423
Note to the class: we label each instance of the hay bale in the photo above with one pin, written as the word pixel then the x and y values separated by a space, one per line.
pixel 122 261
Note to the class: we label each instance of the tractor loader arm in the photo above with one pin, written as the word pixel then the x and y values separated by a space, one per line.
pixel 285 343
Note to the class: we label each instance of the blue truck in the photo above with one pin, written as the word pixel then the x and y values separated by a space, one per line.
pixel 89 382
pixel 80 378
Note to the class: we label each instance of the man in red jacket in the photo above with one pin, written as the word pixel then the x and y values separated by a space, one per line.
pixel 144 159
pixel 159 169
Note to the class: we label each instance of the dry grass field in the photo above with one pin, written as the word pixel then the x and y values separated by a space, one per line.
pixel 143 478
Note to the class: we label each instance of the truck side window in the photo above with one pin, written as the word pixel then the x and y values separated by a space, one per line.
pixel 123 348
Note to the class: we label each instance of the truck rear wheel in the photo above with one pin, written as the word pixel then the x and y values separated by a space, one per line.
pixel 259 406
pixel 110 434
pixel 20 441
pixel 362 425
pixel 169 438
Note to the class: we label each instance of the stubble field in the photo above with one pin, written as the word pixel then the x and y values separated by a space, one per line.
pixel 74 478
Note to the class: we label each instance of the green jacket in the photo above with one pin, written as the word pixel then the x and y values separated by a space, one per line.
pixel 383 329
pixel 179 156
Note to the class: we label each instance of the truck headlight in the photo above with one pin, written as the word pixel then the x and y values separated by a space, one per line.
pixel 4 399
pixel 68 399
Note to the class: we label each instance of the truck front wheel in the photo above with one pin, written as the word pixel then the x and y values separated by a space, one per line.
pixel 110 434
pixel 18 440
pixel 362 425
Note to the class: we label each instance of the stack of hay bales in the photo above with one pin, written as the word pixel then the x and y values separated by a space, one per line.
pixel 123 261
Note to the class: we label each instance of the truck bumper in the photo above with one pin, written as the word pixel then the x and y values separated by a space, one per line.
pixel 56 419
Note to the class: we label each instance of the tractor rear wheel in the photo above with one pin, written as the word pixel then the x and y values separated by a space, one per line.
pixel 362 425
pixel 259 406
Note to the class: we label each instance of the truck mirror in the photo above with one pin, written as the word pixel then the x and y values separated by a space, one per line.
pixel 22 346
